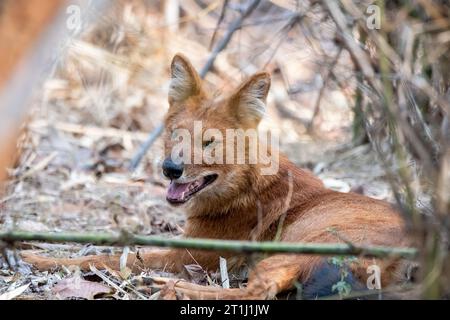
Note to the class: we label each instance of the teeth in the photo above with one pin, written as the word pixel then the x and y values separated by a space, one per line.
pixel 192 186
pixel 182 195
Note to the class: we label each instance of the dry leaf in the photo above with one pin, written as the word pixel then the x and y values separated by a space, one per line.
pixel 168 292
pixel 335 184
pixel 14 293
pixel 224 273
pixel 32 225
pixel 196 274
pixel 77 287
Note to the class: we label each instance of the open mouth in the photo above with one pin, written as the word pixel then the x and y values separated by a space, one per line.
pixel 182 192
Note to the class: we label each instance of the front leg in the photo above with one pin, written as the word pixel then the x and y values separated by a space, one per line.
pixel 269 277
pixel 170 260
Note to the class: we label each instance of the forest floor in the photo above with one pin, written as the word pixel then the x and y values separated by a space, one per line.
pixel 89 118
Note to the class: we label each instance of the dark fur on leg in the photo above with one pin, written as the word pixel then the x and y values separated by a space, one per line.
pixel 320 283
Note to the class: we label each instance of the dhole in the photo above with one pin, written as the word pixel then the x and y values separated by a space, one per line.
pixel 224 201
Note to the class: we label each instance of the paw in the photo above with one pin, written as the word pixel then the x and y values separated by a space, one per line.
pixel 39 262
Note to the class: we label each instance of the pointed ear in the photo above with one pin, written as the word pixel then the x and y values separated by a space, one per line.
pixel 248 104
pixel 185 81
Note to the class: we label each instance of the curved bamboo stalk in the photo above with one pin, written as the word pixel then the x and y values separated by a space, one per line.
pixel 210 244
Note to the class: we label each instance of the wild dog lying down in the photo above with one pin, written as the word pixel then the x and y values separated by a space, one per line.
pixel 235 201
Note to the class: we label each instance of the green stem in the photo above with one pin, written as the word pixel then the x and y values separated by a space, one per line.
pixel 209 244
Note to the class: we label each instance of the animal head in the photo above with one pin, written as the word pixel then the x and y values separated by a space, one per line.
pixel 198 135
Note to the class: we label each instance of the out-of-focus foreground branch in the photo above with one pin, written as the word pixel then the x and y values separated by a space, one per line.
pixel 209 244
pixel 21 24
pixel 30 31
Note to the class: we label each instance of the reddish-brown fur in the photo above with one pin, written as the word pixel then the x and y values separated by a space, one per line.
pixel 242 204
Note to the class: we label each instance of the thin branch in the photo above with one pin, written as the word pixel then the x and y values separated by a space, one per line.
pixel 219 21
pixel 357 53
pixel 322 89
pixel 146 146
pixel 234 26
pixel 209 244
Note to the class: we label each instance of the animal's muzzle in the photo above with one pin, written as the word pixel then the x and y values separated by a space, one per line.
pixel 172 170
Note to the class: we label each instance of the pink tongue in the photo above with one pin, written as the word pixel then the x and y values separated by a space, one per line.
pixel 178 191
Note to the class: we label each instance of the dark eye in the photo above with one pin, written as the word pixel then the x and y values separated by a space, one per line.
pixel 208 142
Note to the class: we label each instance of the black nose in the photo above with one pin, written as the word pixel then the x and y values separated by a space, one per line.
pixel 172 170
